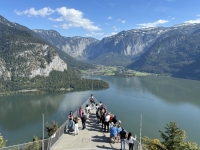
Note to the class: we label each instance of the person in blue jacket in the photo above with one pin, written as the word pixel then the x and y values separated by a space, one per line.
pixel 113 132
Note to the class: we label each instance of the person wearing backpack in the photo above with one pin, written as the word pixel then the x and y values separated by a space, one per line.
pixel 130 140
pixel 103 119
pixel 87 109
pixel 83 119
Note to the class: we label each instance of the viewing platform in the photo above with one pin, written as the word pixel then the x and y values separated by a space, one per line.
pixel 91 138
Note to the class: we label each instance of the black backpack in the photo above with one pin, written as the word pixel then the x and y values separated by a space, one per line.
pixel 83 119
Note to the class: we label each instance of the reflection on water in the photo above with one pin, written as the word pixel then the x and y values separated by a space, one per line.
pixel 173 90
pixel 24 109
pixel 21 115
pixel 159 100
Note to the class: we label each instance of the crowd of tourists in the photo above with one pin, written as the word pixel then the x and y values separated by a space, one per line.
pixel 108 121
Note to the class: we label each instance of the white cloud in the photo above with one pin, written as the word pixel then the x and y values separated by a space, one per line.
pixel 198 15
pixel 109 18
pixel 46 11
pixel 70 18
pixel 122 21
pixel 193 21
pixel 172 18
pixel 56 20
pixel 95 34
pixel 74 18
pixel 153 24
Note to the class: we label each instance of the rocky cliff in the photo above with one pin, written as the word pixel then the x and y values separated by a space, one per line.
pixel 122 48
pixel 74 46
pixel 22 55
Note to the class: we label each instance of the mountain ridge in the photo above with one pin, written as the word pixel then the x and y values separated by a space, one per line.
pixel 171 56
pixel 129 44
pixel 73 46
pixel 15 44
pixel 28 63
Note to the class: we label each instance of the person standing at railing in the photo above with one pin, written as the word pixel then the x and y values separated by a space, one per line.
pixel 119 123
pixel 123 137
pixel 83 119
pixel 70 115
pixel 80 112
pixel 97 107
pixel 130 140
pixel 92 101
pixel 97 113
pixel 111 117
pixel 91 97
pixel 113 132
pixel 103 119
pixel 106 124
pixel 100 103
pixel 71 125
pixel 76 132
pixel 87 111
pixel 119 129
pixel 114 120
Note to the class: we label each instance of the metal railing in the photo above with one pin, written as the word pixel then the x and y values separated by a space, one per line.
pixel 140 146
pixel 51 141
pixel 62 129
pixel 48 143
pixel 36 145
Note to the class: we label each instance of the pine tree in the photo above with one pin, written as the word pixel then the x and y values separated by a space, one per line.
pixel 173 136
pixel 173 139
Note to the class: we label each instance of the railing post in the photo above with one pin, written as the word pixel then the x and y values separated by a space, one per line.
pixel 43 132
pixel 59 132
pixel 49 142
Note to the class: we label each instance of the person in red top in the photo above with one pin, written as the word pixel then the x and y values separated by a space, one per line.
pixel 111 117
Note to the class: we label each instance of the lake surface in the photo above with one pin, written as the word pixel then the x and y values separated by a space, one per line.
pixel 159 100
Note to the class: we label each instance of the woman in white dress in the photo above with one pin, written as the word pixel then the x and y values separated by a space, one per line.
pixel 76 126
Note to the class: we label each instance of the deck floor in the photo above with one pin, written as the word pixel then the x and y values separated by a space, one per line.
pixel 91 138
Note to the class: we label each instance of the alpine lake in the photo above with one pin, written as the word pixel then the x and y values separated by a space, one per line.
pixel 157 99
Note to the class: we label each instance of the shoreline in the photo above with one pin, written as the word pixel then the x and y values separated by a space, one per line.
pixel 35 91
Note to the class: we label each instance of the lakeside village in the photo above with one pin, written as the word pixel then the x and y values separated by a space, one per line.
pixel 113 71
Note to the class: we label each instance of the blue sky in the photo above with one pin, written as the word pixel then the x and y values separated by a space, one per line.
pixel 99 18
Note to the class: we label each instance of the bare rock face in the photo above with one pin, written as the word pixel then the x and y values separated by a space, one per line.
pixel 73 46
pixel 29 59
pixel 128 44
pixel 24 54
pixel 76 47
pixel 4 73
pixel 56 64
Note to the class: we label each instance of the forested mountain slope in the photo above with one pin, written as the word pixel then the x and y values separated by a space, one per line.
pixel 28 63
pixel 172 55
